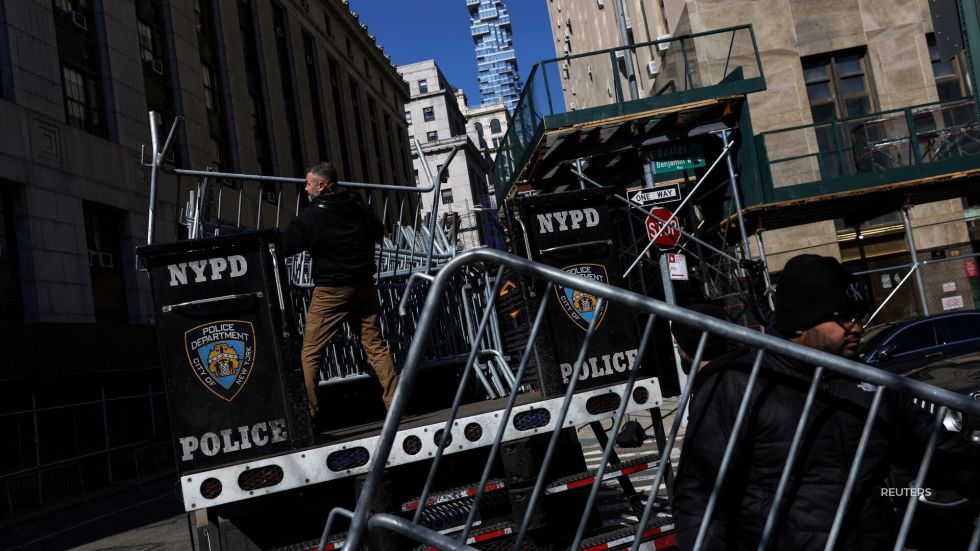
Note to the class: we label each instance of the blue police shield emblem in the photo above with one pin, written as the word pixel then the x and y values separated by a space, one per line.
pixel 221 354
pixel 579 306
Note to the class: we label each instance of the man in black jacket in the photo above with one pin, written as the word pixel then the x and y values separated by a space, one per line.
pixel 339 231
pixel 818 304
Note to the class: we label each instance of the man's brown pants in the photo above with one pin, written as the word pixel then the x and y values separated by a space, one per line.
pixel 329 307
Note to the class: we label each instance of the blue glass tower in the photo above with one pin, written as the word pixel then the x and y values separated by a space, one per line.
pixel 500 82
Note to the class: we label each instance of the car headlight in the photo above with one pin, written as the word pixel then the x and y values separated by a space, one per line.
pixel 953 421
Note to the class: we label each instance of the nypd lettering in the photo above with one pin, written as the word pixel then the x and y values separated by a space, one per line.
pixel 236 439
pixel 579 306
pixel 601 366
pixel 565 220
pixel 221 354
pixel 209 268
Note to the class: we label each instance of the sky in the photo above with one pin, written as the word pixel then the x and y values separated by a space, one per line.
pixel 416 30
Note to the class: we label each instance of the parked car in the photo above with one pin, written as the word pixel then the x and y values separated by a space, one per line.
pixel 902 346
pixel 945 519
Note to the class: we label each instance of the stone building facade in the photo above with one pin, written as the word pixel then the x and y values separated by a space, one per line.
pixel 266 87
pixel 437 123
pixel 827 61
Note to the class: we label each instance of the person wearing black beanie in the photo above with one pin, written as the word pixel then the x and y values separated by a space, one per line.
pixel 820 304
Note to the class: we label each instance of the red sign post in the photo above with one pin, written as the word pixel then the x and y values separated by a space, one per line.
pixel 667 238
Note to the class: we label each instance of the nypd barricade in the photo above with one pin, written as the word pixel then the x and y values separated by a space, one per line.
pixel 573 231
pixel 234 390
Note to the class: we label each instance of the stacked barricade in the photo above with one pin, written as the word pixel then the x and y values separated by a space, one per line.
pixel 576 528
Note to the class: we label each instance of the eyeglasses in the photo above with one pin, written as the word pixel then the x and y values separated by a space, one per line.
pixel 848 321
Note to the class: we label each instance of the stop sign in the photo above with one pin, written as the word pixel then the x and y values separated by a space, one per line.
pixel 667 238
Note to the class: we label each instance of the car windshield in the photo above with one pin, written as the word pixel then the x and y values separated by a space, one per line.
pixel 874 336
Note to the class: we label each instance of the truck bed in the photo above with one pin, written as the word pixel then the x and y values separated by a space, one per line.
pixel 347 452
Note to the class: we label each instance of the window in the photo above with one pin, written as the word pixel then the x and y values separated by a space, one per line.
pixel 447 196
pixel 423 87
pixel 837 85
pixel 350 49
pixel 408 117
pixel 428 114
pixel 959 328
pixel 444 175
pixel 146 42
pixel 327 24
pixel 494 126
pixel 914 338
pixel 948 74
pixel 479 129
pixel 431 136
pixel 75 100
pixel 104 240
pixel 496 143
pixel 416 176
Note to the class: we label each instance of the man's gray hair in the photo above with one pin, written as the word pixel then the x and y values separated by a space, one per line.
pixel 326 172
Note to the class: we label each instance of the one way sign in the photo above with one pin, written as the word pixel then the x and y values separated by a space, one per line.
pixel 655 196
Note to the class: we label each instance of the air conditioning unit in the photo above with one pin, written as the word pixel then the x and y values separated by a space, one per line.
pixel 571 105
pixel 602 4
pixel 105 260
pixel 664 45
pixel 157 66
pixel 629 23
pixel 93 258
pixel 652 68
pixel 79 20
pixel 588 69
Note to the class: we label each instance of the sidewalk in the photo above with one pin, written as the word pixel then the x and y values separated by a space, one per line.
pixel 139 518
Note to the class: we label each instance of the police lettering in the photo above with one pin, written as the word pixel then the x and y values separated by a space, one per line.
pixel 567 220
pixel 233 440
pixel 601 366
pixel 210 268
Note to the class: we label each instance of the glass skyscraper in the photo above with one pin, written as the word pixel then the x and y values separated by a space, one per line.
pixel 500 82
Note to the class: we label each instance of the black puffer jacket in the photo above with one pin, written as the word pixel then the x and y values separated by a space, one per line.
pixel 817 482
pixel 339 231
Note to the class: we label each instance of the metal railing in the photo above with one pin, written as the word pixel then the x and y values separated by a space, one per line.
pixel 647 311
pixel 414 243
pixel 882 144
pixel 676 69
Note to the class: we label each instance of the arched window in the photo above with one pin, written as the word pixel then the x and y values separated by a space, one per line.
pixel 479 129
pixel 494 126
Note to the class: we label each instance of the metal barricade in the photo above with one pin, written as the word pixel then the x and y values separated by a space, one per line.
pixel 364 518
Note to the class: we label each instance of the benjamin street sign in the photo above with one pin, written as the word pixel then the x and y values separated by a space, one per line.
pixel 655 196
pixel 677 157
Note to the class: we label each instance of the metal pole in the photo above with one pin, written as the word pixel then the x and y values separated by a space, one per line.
pixel 671 300
pixel 723 134
pixel 765 269
pixel 154 167
pixel 624 36
pixel 648 168
pixel 37 449
pixel 105 426
pixel 910 240
pixel 581 170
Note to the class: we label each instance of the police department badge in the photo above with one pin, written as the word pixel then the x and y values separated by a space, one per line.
pixel 221 354
pixel 580 306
